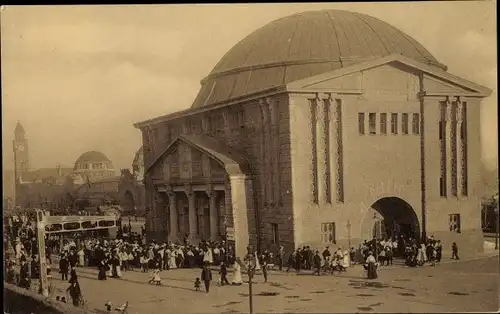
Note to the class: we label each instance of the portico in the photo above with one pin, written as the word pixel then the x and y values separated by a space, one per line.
pixel 201 188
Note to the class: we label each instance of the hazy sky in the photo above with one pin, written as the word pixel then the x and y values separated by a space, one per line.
pixel 78 77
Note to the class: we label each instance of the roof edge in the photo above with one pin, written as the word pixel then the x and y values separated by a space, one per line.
pixel 217 105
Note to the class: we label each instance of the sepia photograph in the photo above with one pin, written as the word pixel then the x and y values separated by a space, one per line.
pixel 335 157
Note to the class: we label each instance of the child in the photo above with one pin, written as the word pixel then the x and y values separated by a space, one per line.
pixel 108 306
pixel 156 276
pixel 197 284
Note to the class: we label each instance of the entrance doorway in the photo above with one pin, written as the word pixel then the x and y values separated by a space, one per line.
pixel 397 218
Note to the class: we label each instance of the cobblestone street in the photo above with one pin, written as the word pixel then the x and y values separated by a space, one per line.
pixel 462 286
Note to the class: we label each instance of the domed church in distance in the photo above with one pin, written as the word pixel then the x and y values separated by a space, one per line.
pixel 320 128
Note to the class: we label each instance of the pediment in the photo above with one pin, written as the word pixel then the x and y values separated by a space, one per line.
pixel 393 72
pixel 190 156
pixel 436 85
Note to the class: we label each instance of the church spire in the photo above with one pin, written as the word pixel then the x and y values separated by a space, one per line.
pixel 19 132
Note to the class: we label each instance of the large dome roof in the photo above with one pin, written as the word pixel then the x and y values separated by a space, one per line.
pixel 303 45
pixel 92 156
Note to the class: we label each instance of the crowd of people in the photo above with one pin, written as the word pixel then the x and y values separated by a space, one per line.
pixel 129 251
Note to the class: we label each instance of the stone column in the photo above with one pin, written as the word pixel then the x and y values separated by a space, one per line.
pixel 193 232
pixel 214 215
pixel 449 160
pixel 242 210
pixel 275 148
pixel 174 228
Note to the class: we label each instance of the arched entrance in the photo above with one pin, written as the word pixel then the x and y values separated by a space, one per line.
pixel 394 217
pixel 128 203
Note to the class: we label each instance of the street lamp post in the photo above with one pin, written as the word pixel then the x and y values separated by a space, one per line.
pixel 250 263
pixel 497 218
pixel 44 286
pixel 349 233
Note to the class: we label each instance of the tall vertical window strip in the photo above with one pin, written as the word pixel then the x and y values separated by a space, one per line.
pixel 339 154
pixel 442 146
pixel 463 148
pixel 326 116
pixel 383 123
pixel 404 122
pixel 361 123
pixel 394 123
pixel 314 158
pixel 454 157
pixel 415 125
pixel 372 126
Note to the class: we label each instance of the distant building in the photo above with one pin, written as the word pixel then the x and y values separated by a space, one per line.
pixel 53 187
pixel 320 128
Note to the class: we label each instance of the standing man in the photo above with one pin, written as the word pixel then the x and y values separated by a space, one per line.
pixel 223 274
pixel 206 276
pixel 281 256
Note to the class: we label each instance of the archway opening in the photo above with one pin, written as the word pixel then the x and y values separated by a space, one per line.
pixel 397 218
pixel 128 203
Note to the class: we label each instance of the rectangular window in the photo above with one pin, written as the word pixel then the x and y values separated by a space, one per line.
pixel 372 120
pixel 416 124
pixel 275 238
pixel 328 232
pixel 404 122
pixel 455 223
pixel 241 118
pixel 442 186
pixel 383 123
pixel 361 123
pixel 394 123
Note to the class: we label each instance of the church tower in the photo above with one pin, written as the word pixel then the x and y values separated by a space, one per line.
pixel 21 156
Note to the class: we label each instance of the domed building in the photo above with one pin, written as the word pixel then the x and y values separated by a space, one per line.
pixel 320 128
pixel 94 166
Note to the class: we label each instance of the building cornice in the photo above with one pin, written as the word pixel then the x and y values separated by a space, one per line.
pixel 218 105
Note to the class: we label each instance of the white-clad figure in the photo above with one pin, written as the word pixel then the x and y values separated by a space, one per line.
pixel 346 260
pixel 257 263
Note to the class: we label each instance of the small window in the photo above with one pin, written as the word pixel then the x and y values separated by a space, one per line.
pixel 442 187
pixel 394 123
pixel 328 232
pixel 455 223
pixel 383 123
pixel 372 123
pixel 462 131
pixel 361 123
pixel 274 229
pixel 404 122
pixel 415 125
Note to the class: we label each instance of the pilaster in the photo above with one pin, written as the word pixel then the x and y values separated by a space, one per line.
pixel 449 162
pixel 275 148
pixel 267 153
pixel 458 146
pixel 320 150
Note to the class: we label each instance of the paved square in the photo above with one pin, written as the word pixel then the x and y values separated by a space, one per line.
pixel 451 287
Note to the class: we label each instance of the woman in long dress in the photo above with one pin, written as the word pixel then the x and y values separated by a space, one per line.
pixel 172 259
pixel 371 266
pixel 346 260
pixel 237 281
pixel 257 263
pixel 81 258
pixel 102 270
